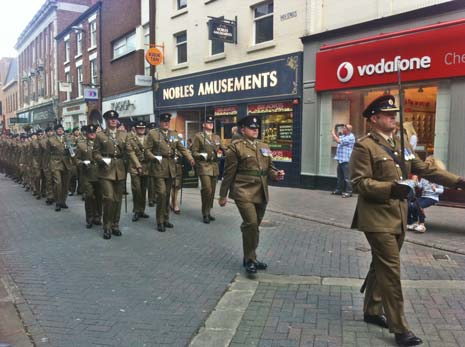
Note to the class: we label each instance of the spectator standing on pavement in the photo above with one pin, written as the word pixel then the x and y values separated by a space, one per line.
pixel 207 150
pixel 429 196
pixel 411 134
pixel 160 149
pixel 249 164
pixel 375 170
pixel 108 152
pixel 236 133
pixel 345 143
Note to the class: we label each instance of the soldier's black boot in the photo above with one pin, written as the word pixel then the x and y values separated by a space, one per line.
pixel 408 339
pixel 135 217
pixel 88 224
pixel 106 234
pixel 58 207
pixel 206 220
pixel 115 231
pixel 250 267
pixel 161 227
pixel 379 320
pixel 168 225
pixel 211 217
pixel 143 215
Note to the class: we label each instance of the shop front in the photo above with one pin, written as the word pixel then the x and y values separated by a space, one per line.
pixel 426 63
pixel 74 116
pixel 42 117
pixel 131 107
pixel 270 88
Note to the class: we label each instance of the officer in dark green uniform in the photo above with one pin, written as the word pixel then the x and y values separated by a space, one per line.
pixel 246 171
pixel 376 171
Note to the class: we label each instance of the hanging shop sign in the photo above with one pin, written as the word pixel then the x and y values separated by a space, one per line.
pixel 270 108
pixel 225 111
pixel 222 29
pixel 423 55
pixel 154 56
pixel 91 94
pixel 265 79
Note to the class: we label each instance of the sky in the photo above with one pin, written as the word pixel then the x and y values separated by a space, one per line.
pixel 14 17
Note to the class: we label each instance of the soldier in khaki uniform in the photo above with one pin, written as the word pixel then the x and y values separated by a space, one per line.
pixel 152 194
pixel 45 159
pixel 109 150
pixel 207 150
pixel 376 168
pixel 89 178
pixel 160 149
pixel 247 168
pixel 60 164
pixel 138 169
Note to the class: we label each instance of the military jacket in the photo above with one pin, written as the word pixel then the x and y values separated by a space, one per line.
pixel 111 150
pixel 206 152
pixel 84 160
pixel 246 171
pixel 136 152
pixel 160 149
pixel 373 173
pixel 36 154
pixel 60 158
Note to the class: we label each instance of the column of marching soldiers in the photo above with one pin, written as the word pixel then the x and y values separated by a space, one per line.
pixel 47 161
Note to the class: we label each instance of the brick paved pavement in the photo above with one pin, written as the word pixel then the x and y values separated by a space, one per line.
pixel 152 289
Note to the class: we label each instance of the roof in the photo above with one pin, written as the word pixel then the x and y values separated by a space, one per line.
pixel 12 73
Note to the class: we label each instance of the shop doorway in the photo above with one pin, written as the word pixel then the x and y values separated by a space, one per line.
pixel 192 127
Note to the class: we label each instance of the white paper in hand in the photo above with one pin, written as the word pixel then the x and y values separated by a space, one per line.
pixel 86 162
pixel 107 160
pixel 159 158
pixel 204 155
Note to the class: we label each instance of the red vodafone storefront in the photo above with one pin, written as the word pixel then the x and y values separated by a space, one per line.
pixel 351 68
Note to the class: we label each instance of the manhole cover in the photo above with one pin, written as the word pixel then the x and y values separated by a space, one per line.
pixel 441 257
pixel 267 224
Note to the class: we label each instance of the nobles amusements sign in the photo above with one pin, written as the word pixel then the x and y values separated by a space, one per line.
pixel 423 55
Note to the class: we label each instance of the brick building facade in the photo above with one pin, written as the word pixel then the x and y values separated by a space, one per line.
pixel 79 69
pixel 37 57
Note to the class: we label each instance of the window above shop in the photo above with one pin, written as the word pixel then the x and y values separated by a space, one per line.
pixel 181 47
pixel 124 45
pixel 263 22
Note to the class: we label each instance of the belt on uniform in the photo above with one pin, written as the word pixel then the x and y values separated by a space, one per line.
pixel 256 173
pixel 168 156
pixel 112 156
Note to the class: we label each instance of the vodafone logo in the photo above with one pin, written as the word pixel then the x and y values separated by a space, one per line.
pixel 345 71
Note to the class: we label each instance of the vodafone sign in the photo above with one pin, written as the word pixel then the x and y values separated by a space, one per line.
pixel 424 55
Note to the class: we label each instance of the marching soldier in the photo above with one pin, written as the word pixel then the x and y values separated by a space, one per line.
pixel 45 159
pixel 108 152
pixel 36 165
pixel 152 194
pixel 138 169
pixel 376 171
pixel 247 169
pixel 207 150
pixel 75 137
pixel 60 165
pixel 160 149
pixel 89 178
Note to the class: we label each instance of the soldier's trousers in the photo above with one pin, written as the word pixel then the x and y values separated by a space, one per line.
pixel 49 184
pixel 60 180
pixel 152 193
pixel 112 196
pixel 163 189
pixel 208 184
pixel 73 179
pixel 139 192
pixel 92 200
pixel 252 215
pixel 383 286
